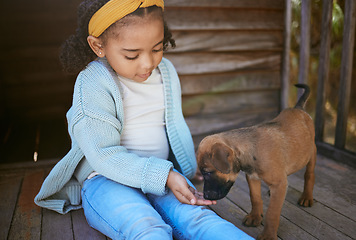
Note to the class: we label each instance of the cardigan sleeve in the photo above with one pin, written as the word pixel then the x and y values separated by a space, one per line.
pixel 96 123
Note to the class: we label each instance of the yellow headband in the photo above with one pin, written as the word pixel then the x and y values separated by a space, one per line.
pixel 115 10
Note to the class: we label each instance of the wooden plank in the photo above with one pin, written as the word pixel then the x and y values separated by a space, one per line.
pixel 223 19
pixel 18 167
pixel 51 89
pixel 29 103
pixel 311 224
pixel 225 41
pixel 26 79
pixel 39 5
pixel 286 55
pixel 194 18
pixel 232 213
pixel 32 60
pixel 38 102
pixel 34 113
pixel 26 223
pixel 276 4
pixel 287 227
pixel 81 229
pixel 324 216
pixel 34 53
pixel 340 155
pixel 234 210
pixel 55 224
pixel 263 4
pixel 237 210
pixel 31 23
pixel 287 230
pixel 51 14
pixel 9 188
pixel 314 224
pixel 229 102
pixel 36 65
pixel 202 63
pixel 230 82
pixel 304 52
pixel 30 35
pixel 209 124
pixel 323 71
pixel 334 187
pixel 40 97
pixel 345 73
pixel 338 222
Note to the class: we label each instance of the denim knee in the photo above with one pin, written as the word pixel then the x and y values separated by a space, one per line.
pixel 124 212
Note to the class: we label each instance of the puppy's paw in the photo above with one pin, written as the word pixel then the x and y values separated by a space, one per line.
pixel 252 220
pixel 305 201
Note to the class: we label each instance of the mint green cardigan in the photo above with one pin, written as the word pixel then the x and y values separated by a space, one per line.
pixel 95 122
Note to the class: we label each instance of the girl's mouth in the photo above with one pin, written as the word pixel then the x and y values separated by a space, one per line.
pixel 145 75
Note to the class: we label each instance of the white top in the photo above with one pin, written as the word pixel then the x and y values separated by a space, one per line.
pixel 144 130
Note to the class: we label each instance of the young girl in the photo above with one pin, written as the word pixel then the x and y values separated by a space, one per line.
pixel 131 148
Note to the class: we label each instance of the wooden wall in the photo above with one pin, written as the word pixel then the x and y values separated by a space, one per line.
pixel 228 57
pixel 33 85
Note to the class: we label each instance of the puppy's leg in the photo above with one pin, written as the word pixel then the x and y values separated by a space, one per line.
pixel 306 200
pixel 254 218
pixel 278 194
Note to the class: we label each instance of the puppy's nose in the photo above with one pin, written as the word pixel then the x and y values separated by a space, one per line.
pixel 211 195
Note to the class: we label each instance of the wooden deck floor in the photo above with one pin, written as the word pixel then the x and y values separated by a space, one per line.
pixel 333 215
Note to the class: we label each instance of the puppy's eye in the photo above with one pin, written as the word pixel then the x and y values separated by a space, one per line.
pixel 206 171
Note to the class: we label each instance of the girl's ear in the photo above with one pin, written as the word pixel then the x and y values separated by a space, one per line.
pixel 96 45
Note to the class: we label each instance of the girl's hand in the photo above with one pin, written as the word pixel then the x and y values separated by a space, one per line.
pixel 185 193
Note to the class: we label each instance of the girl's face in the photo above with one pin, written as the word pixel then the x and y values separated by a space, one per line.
pixel 136 49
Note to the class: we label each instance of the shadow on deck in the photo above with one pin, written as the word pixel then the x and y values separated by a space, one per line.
pixel 333 215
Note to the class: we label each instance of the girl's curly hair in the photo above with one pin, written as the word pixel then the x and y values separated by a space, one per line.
pixel 76 53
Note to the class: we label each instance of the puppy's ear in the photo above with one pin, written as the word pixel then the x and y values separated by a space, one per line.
pixel 222 157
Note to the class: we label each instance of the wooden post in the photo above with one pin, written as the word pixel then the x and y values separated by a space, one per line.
pixel 323 72
pixel 285 57
pixel 304 43
pixel 345 73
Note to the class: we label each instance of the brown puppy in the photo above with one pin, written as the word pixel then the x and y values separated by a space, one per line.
pixel 269 151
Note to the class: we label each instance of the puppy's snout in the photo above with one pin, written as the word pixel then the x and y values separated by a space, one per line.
pixel 211 195
pixel 215 189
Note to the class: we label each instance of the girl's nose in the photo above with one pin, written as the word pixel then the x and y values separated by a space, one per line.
pixel 148 62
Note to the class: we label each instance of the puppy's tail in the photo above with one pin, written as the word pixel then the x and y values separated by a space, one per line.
pixel 303 99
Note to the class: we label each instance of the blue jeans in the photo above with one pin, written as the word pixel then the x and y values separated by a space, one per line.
pixel 122 212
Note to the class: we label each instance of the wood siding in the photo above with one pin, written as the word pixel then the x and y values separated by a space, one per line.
pixel 33 85
pixel 228 57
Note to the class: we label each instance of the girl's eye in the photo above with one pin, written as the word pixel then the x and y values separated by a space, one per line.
pixel 157 50
pixel 131 58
